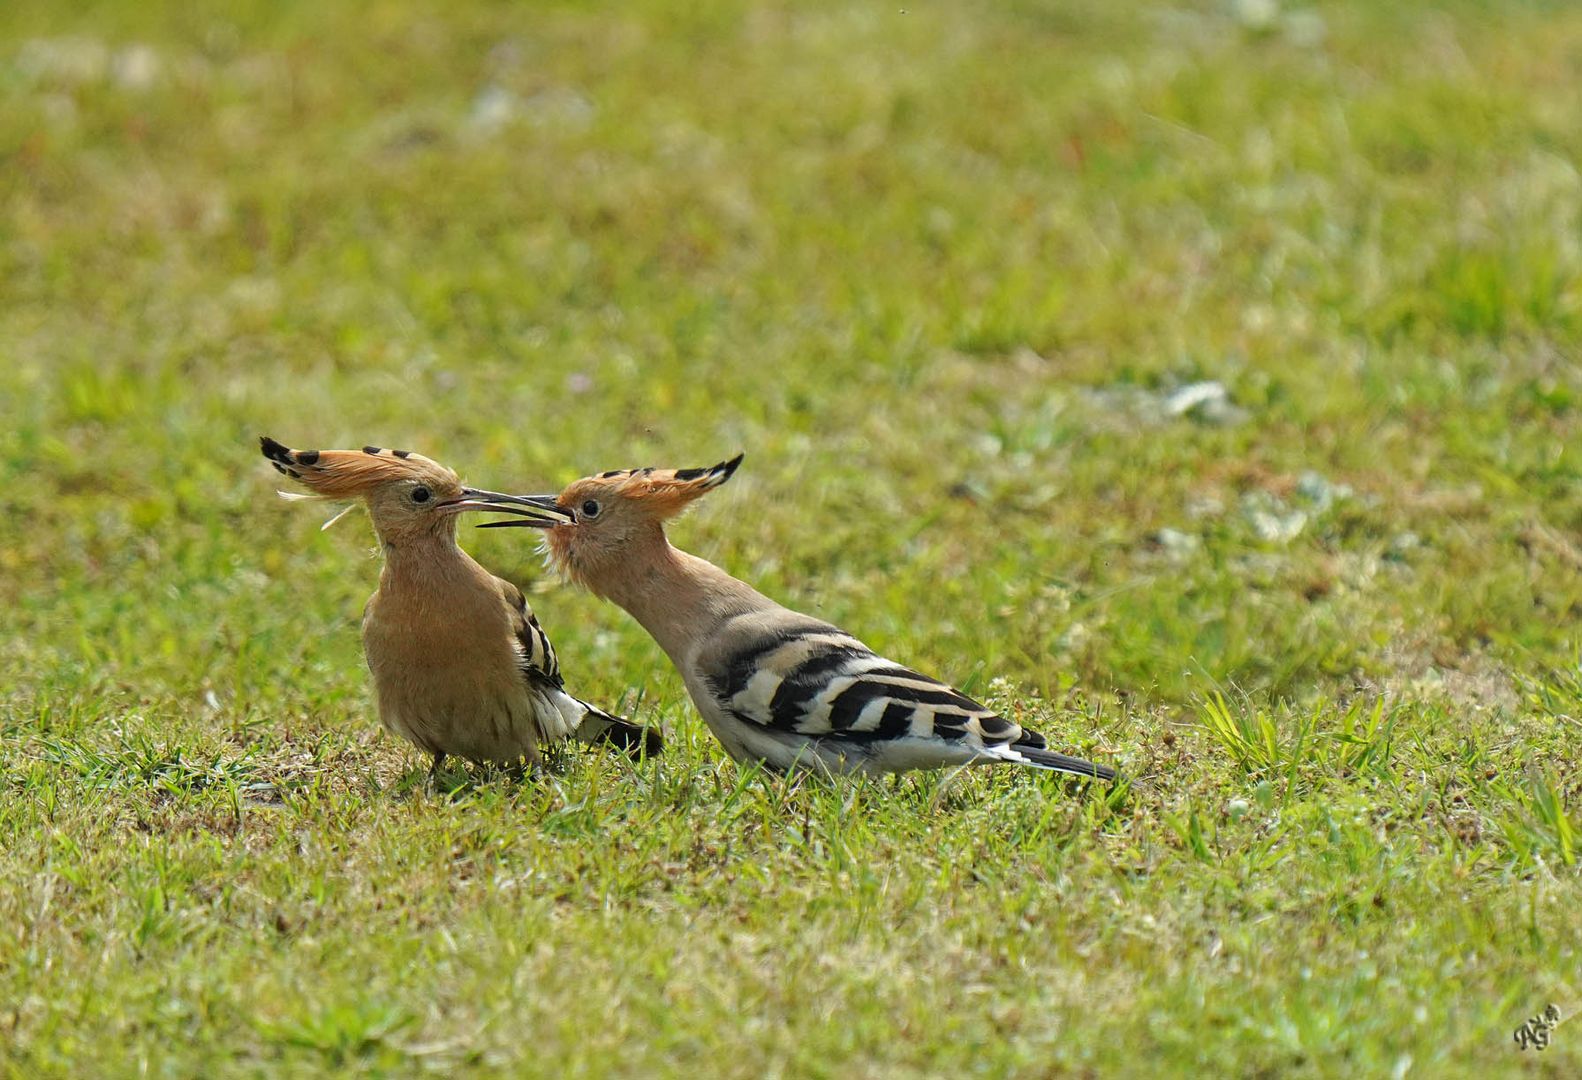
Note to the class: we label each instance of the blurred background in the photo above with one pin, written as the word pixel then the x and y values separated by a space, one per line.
pixel 1095 344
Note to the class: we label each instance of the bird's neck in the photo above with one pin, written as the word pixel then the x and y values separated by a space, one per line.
pixel 678 598
pixel 426 559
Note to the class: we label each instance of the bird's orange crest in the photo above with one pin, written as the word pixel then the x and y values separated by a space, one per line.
pixel 603 513
pixel 347 474
pixel 664 493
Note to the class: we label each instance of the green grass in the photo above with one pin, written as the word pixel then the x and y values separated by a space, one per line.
pixel 941 272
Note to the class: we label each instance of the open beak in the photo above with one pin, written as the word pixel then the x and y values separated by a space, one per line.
pixel 533 511
pixel 545 505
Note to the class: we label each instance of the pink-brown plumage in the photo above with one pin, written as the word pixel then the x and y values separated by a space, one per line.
pixel 460 664
pixel 773 685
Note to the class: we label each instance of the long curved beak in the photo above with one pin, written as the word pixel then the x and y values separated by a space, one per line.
pixel 546 504
pixel 534 511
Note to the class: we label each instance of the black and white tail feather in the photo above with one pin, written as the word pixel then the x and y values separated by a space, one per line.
pixel 599 726
pixel 1040 758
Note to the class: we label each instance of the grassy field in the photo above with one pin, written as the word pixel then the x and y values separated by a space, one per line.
pixel 1198 382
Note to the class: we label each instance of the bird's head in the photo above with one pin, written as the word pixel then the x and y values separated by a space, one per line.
pixel 607 513
pixel 408 495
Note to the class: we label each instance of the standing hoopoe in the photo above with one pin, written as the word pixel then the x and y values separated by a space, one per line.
pixel 460 665
pixel 774 686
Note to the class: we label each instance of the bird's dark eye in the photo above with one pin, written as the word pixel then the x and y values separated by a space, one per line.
pixel 420 494
pixel 590 509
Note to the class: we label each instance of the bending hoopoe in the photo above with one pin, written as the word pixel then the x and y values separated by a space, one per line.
pixel 460 665
pixel 774 686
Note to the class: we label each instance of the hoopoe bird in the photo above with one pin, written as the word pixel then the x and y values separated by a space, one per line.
pixel 460 664
pixel 773 685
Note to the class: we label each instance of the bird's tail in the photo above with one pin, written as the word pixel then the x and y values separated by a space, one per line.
pixel 1027 752
pixel 600 726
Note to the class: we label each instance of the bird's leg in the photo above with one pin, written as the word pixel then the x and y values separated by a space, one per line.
pixel 433 772
pixel 548 759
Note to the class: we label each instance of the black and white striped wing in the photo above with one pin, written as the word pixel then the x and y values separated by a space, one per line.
pixel 805 677
pixel 537 662
pixel 797 676
pixel 535 655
